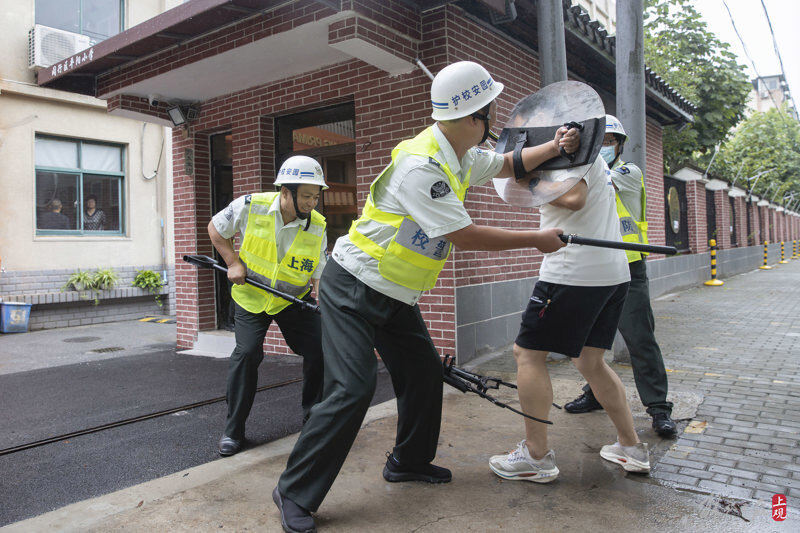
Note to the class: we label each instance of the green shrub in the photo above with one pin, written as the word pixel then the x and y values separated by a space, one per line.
pixel 151 281
pixel 80 280
pixel 105 279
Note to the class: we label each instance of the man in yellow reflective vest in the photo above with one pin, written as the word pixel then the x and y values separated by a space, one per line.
pixel 391 256
pixel 637 324
pixel 283 245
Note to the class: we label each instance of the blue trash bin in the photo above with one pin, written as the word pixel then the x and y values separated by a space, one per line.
pixel 14 317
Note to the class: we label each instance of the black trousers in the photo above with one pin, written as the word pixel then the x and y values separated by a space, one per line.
pixel 301 330
pixel 637 327
pixel 355 321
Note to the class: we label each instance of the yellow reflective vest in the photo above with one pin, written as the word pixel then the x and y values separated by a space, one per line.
pixel 259 253
pixel 633 230
pixel 410 259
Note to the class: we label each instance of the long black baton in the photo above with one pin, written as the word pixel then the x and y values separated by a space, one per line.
pixel 203 261
pixel 647 248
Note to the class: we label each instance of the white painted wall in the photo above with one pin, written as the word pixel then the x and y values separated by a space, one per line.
pixel 25 110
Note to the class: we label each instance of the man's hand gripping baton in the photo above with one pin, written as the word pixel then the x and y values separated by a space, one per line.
pixel 203 261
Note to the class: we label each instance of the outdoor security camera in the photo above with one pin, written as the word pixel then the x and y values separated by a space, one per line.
pixel 154 99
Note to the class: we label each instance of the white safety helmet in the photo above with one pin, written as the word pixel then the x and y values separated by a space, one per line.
pixel 460 89
pixel 613 125
pixel 301 170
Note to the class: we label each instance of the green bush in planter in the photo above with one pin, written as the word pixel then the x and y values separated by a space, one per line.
pixel 151 281
pixel 106 279
pixel 80 280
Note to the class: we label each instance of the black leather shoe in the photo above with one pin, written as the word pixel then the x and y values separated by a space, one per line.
pixel 228 446
pixel 664 425
pixel 294 518
pixel 395 472
pixel 583 404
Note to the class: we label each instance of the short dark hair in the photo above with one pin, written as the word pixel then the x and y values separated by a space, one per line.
pixel 92 197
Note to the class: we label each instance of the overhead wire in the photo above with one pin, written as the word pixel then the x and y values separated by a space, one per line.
pixel 752 63
pixel 777 51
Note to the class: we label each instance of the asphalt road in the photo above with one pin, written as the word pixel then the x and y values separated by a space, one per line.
pixel 44 403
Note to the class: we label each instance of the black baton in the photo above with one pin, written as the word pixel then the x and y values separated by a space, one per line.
pixel 204 261
pixel 635 247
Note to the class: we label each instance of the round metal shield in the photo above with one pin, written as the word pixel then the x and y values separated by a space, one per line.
pixel 553 106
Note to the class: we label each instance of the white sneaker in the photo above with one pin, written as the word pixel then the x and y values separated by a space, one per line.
pixel 632 458
pixel 519 465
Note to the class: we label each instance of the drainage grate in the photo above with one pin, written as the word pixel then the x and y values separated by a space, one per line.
pixel 108 349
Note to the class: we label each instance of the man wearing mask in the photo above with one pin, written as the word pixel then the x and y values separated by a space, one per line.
pixel 637 324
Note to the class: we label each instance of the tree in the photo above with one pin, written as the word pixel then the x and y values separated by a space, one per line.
pixel 765 142
pixel 693 61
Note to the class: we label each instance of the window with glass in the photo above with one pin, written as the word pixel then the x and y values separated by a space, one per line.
pixel 99 19
pixel 79 187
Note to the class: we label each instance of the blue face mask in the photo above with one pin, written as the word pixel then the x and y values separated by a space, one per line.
pixel 608 153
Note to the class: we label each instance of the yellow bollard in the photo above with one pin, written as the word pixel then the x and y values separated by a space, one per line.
pixel 794 250
pixel 765 266
pixel 713 281
pixel 782 261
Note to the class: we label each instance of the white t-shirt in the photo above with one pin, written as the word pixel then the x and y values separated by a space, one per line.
pixel 233 220
pixel 587 266
pixel 418 187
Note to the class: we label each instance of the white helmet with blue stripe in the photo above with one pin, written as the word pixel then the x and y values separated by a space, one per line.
pixel 613 125
pixel 460 89
pixel 301 170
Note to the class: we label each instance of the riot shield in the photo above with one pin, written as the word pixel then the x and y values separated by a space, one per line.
pixel 535 120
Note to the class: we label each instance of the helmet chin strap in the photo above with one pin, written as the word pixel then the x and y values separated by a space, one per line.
pixel 485 119
pixel 299 214
pixel 621 147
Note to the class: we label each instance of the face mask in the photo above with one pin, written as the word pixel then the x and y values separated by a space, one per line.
pixel 608 153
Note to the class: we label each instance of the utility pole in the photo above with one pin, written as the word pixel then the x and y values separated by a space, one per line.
pixel 552 48
pixel 630 78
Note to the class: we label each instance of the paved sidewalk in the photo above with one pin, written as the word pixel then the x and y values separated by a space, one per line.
pixel 734 358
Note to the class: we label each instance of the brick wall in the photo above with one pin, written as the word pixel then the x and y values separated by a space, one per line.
pixel 654 176
pixel 755 226
pixel 387 110
pixel 723 219
pixel 696 207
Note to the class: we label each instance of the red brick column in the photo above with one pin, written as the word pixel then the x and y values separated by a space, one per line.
pixel 755 223
pixel 696 207
pixel 723 222
pixel 192 206
pixel 741 221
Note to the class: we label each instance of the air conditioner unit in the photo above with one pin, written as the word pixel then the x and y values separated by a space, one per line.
pixel 47 46
pixel 764 94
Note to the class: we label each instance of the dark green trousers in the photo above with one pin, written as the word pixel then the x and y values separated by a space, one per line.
pixel 356 320
pixel 301 330
pixel 637 327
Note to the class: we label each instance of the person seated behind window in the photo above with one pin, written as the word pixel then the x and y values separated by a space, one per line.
pixel 93 219
pixel 53 218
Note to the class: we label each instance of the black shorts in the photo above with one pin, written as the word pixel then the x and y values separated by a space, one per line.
pixel 565 318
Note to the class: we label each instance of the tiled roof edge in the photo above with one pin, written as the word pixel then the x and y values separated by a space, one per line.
pixel 594 31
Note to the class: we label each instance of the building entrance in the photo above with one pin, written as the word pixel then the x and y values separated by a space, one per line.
pixel 221 195
pixel 327 135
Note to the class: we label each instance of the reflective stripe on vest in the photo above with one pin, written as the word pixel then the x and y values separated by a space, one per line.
pixel 259 253
pixel 412 259
pixel 633 230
